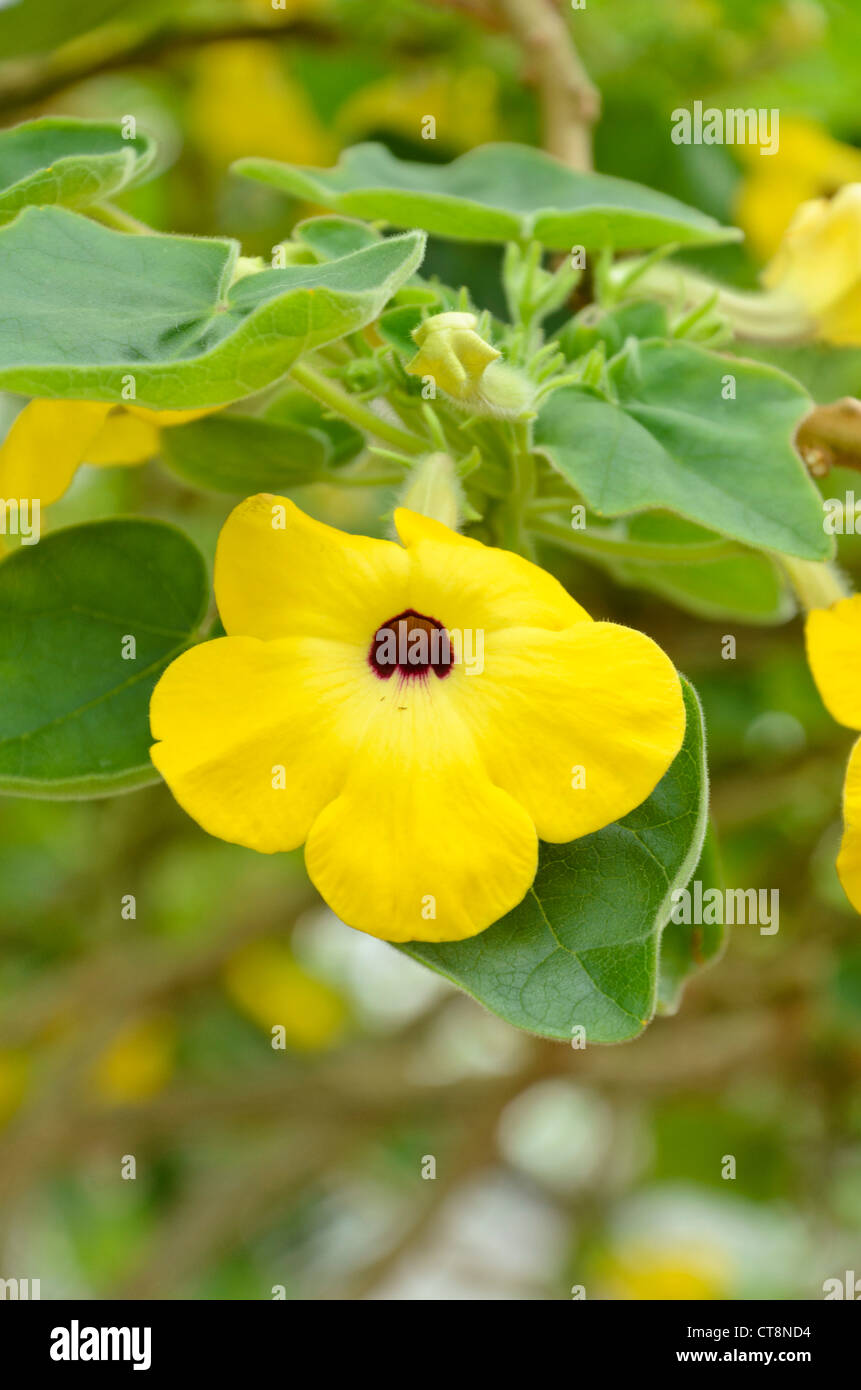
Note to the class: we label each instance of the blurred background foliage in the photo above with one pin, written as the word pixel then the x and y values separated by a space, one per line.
pixel 149 1034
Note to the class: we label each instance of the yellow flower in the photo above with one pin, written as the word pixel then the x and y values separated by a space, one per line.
pixel 245 102
pixel 834 652
pixel 267 983
pixel 818 265
pixel 643 1272
pixel 808 163
pixel 138 1063
pixel 415 714
pixel 48 441
pixel 463 104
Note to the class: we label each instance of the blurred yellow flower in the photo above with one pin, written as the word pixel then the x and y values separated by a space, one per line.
pixel 818 265
pixel 645 1272
pixel 335 715
pixel 809 163
pixel 834 651
pixel 14 1080
pixel 463 104
pixel 139 1062
pixel 245 102
pixel 50 439
pixel 267 984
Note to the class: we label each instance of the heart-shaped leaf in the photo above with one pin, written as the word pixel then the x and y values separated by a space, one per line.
pixel 494 193
pixel 89 618
pixel 582 947
pixel 68 162
pixel 94 310
pixel 706 436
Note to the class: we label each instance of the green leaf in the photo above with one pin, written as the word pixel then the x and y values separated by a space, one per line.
pixel 69 162
pixel 74 714
pixel 93 307
pixel 745 585
pixel 494 193
pixel 330 237
pixel 582 947
pixel 670 440
pixel 686 950
pixel 244 454
pixel 296 408
pixel 639 319
pixel 826 372
pixel 38 26
pixel 396 327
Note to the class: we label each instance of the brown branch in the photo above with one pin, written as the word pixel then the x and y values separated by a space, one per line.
pixel 570 103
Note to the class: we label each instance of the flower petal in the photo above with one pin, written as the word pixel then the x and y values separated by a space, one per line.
pixel 597 697
pixel 124 439
pixel 833 638
pixel 467 585
pixel 231 712
pixel 280 573
pixel 46 443
pixel 849 858
pixel 420 845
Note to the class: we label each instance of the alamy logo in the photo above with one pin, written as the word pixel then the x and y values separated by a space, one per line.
pixel 847 1287
pixel 76 1343
pixel 19 1289
pixel 694 906
pixel 734 126
pixel 20 517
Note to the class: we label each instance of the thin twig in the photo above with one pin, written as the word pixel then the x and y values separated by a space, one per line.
pixel 570 103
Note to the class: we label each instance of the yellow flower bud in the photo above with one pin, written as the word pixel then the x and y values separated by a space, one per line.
pixel 818 265
pixel 452 353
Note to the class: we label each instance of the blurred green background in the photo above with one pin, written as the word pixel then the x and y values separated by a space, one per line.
pixel 148 1036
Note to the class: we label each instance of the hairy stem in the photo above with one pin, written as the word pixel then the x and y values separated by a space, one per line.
pixel 349 408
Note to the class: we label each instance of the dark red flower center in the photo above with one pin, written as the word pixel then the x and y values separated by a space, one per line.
pixel 411 644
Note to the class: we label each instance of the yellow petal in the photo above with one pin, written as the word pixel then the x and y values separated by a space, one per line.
pixel 255 736
pixel 766 202
pixel 579 725
pixel 849 858
pixel 45 445
pixel 124 439
pixel 167 419
pixel 466 585
pixel 303 577
pixel 819 262
pixel 840 324
pixel 833 638
pixel 420 845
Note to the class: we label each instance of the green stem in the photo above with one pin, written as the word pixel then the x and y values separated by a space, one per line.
pixel 111 216
pixel 345 405
pixel 513 512
pixel 818 584
pixel 759 315
pixel 695 553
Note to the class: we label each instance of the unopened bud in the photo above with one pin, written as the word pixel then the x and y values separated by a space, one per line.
pixel 433 489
